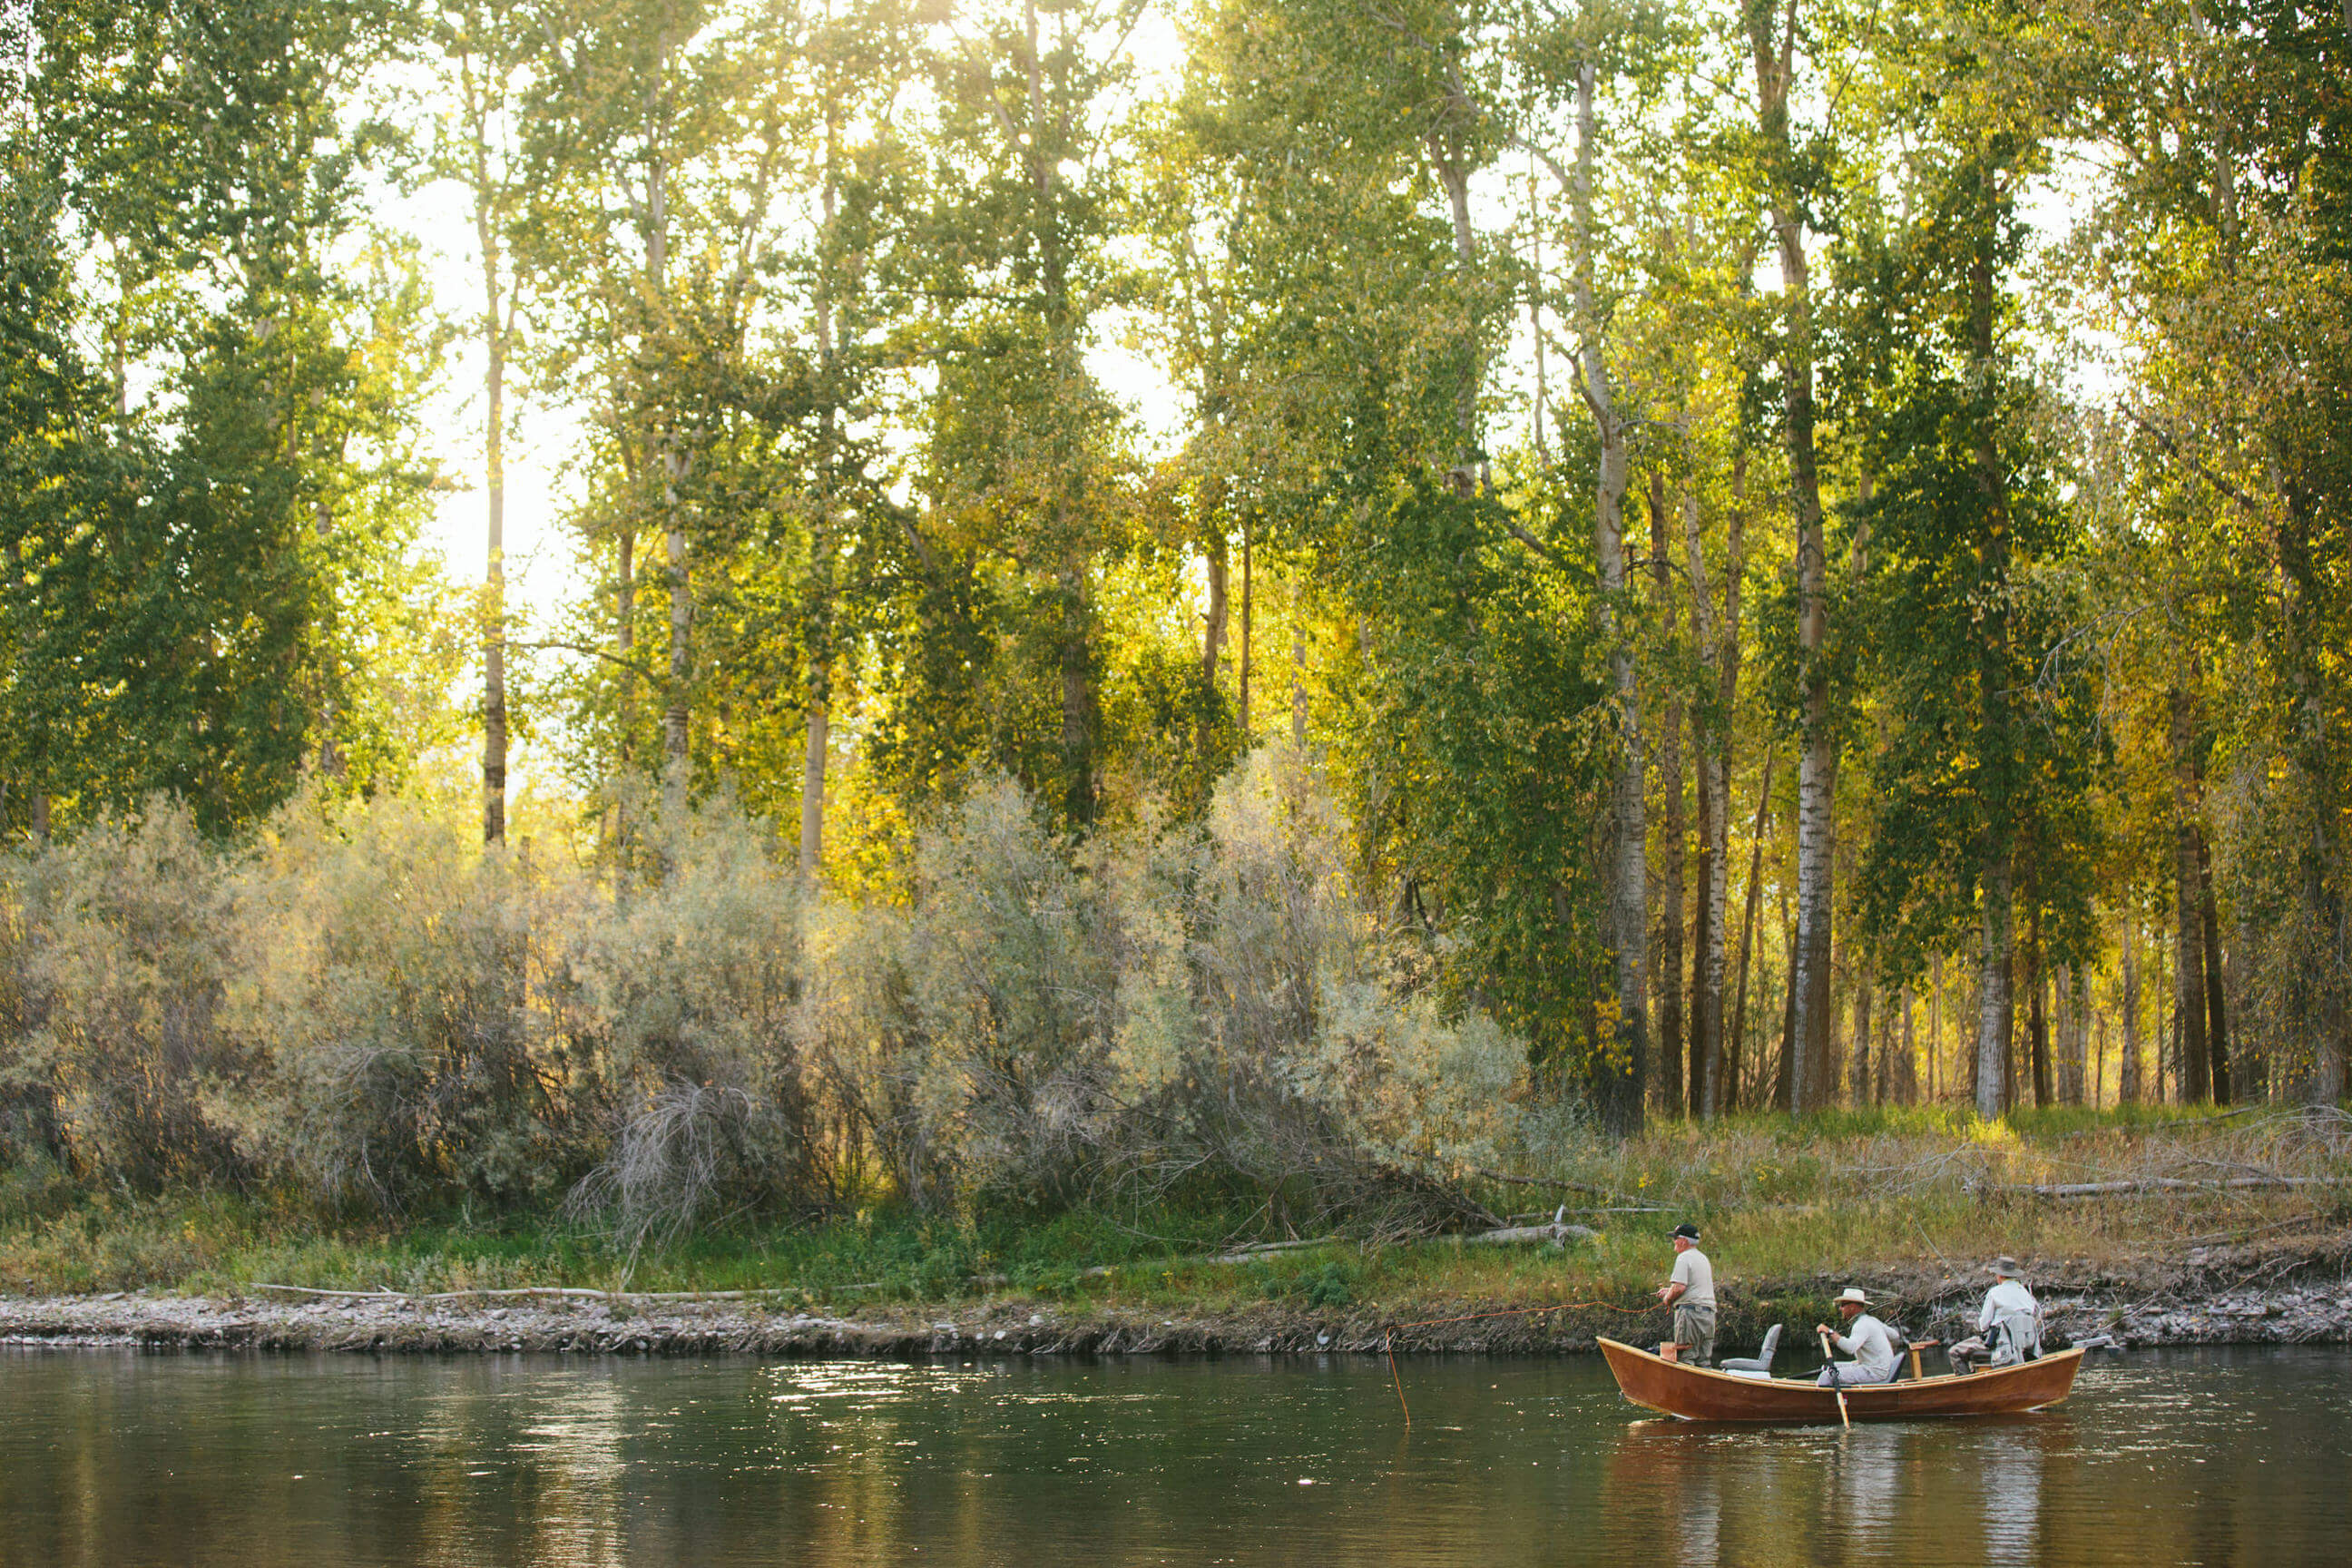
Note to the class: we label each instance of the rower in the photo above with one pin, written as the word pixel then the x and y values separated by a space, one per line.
pixel 1690 1291
pixel 1865 1340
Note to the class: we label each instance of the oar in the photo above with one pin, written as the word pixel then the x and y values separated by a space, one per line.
pixel 1829 1354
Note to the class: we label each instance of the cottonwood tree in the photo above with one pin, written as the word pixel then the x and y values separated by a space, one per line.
pixel 1968 515
pixel 660 135
pixel 1025 457
pixel 1791 166
pixel 199 622
pixel 487 47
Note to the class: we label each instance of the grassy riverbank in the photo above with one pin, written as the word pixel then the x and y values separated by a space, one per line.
pixel 1873 1195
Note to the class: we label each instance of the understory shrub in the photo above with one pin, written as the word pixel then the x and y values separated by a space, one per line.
pixel 364 1007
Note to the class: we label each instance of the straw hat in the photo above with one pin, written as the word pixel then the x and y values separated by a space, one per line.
pixel 2004 1267
pixel 1852 1293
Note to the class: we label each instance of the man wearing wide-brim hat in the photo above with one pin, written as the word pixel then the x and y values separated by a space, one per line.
pixel 1690 1291
pixel 2008 1324
pixel 1865 1339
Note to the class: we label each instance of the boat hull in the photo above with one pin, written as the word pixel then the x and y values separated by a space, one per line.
pixel 1698 1394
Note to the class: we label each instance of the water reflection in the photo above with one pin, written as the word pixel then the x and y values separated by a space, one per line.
pixel 126 1459
pixel 1914 1492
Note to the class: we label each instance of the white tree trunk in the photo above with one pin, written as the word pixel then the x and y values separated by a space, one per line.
pixel 1628 897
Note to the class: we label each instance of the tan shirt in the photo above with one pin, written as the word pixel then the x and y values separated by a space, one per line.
pixel 1696 1276
pixel 1869 1344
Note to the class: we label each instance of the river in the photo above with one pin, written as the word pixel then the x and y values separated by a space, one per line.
pixel 2238 1456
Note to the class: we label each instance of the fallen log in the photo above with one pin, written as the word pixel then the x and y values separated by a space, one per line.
pixel 2166 1184
pixel 1556 1233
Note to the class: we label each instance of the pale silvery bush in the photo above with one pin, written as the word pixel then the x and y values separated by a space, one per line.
pixel 857 1029
pixel 686 990
pixel 1258 1010
pixel 390 986
pixel 1012 994
pixel 116 963
pixel 364 1005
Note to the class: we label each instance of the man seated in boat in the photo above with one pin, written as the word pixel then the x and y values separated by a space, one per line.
pixel 1865 1339
pixel 1690 1291
pixel 2008 1324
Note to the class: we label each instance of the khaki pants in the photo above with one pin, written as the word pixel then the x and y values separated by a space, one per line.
pixel 1695 1327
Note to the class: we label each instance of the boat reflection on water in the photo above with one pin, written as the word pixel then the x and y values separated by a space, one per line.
pixel 1947 1492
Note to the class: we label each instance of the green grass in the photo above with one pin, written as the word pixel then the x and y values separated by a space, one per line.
pixel 1781 1200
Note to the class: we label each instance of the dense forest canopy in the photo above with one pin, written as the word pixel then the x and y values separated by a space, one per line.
pixel 1786 552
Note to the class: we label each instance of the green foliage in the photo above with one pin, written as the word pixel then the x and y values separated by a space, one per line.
pixel 1480 740
pixel 217 552
pixel 836 297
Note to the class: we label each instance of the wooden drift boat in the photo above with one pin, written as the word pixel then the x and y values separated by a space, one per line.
pixel 1698 1394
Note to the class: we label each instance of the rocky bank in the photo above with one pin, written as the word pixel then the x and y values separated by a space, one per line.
pixel 2280 1293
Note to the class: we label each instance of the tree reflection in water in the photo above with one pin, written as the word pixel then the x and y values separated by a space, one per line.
pixel 262 1462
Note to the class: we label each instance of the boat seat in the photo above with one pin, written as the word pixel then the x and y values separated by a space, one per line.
pixel 1760 1363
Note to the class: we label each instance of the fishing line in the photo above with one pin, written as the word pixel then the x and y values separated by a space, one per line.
pixel 1388 1335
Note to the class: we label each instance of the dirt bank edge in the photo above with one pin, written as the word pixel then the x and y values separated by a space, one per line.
pixel 2281 1292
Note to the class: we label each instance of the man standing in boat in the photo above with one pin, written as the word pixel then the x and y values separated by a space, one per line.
pixel 1690 1291
pixel 1865 1339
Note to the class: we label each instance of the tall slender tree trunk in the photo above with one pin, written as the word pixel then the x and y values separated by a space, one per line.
pixel 1078 695
pixel 673 464
pixel 1863 1000
pixel 1707 932
pixel 1215 554
pixel 1670 836
pixel 1993 1002
pixel 2037 992
pixel 37 793
pixel 2250 1076
pixel 1772 40
pixel 819 598
pixel 1996 1001
pixel 675 721
pixel 1904 1084
pixel 816 745
pixel 496 326
pixel 2099 1062
pixel 1935 1026
pixel 2189 966
pixel 1241 685
pixel 624 623
pixel 1727 1094
pixel 2128 1065
pixel 1784 1075
pixel 2209 919
pixel 1711 742
pixel 1626 1072
pixel 2074 1062
pixel 2167 1032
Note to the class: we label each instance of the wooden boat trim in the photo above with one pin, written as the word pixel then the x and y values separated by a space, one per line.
pixel 1701 1393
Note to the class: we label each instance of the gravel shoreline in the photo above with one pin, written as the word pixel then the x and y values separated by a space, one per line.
pixel 2281 1294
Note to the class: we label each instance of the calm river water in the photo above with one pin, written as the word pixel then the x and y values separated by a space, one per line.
pixel 2225 1457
